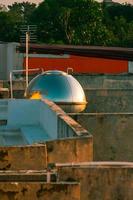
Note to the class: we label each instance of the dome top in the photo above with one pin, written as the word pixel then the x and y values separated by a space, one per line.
pixel 55 72
pixel 57 86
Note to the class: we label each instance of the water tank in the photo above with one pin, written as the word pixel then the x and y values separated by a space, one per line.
pixel 59 87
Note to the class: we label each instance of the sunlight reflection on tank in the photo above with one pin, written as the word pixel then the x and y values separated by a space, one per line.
pixel 59 87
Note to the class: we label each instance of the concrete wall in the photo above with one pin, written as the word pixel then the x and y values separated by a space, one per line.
pixel 49 116
pixel 3 63
pixel 23 158
pixel 112 134
pixel 9 59
pixel 70 150
pixel 63 126
pixel 101 181
pixel 93 81
pixel 67 127
pixel 109 100
pixel 37 157
pixel 49 119
pixel 39 191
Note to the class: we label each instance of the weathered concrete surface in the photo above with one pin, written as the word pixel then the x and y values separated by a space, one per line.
pixel 37 157
pixel 39 191
pixel 67 127
pixel 100 181
pixel 70 150
pixel 119 81
pixel 112 134
pixel 109 100
pixel 23 158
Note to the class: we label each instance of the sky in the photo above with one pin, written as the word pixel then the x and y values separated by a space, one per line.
pixel 7 2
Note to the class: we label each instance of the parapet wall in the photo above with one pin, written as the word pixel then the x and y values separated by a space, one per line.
pixel 55 122
pixel 109 100
pixel 101 181
pixel 65 125
pixel 112 134
pixel 104 81
pixel 37 157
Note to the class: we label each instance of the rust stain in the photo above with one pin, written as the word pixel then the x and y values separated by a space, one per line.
pixel 6 167
pixel 24 190
pixel 7 195
pixel 3 155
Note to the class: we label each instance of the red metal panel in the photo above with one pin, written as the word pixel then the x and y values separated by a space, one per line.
pixel 81 64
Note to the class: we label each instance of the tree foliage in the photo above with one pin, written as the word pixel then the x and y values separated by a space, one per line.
pixel 70 22
pixel 79 22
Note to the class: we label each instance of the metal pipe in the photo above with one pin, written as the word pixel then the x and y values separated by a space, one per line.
pixel 72 164
pixel 11 88
pixel 95 164
pixel 16 71
pixel 24 70
pixel 27 58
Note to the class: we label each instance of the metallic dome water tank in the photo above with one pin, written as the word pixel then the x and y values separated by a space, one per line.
pixel 59 87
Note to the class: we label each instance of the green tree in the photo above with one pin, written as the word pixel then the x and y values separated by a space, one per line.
pixel 120 10
pixel 129 36
pixel 21 11
pixel 118 19
pixel 6 27
pixel 12 19
pixel 71 22
pixel 88 24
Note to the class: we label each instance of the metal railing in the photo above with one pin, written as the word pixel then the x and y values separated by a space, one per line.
pixel 16 72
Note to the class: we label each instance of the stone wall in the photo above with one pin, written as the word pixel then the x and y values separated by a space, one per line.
pixel 112 134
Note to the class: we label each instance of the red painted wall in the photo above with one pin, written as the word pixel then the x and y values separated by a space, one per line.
pixel 80 64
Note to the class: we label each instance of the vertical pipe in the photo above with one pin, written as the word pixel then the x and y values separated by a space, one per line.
pixel 27 58
pixel 11 88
